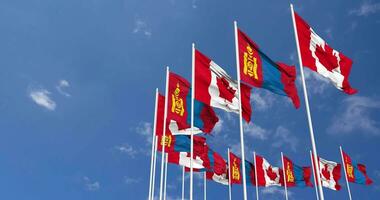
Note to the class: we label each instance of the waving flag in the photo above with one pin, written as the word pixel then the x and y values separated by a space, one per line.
pixel 356 173
pixel 318 56
pixel 295 175
pixel 214 87
pixel 160 114
pixel 267 175
pixel 179 109
pixel 259 70
pixel 181 143
pixel 218 171
pixel 236 173
pixel 330 174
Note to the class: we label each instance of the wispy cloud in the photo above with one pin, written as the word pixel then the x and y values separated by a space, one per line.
pixel 283 137
pixel 275 191
pixel 194 4
pixel 41 97
pixel 130 180
pixel 127 149
pixel 62 85
pixel 316 84
pixel 218 127
pixel 366 8
pixel 91 185
pixel 145 129
pixel 262 100
pixel 142 28
pixel 256 131
pixel 355 114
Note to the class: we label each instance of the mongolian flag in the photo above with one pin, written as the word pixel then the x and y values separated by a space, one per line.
pixel 214 87
pixel 218 168
pixel 296 176
pixel 181 143
pixel 235 170
pixel 330 173
pixel 318 56
pixel 179 109
pixel 160 114
pixel 267 175
pixel 259 70
pixel 356 173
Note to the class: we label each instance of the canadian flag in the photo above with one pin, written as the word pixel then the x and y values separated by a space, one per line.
pixel 330 173
pixel 318 56
pixel 214 87
pixel 267 175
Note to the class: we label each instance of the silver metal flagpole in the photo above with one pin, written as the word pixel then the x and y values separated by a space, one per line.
pixel 240 112
pixel 345 172
pixel 284 173
pixel 166 174
pixel 314 176
pixel 256 179
pixel 163 132
pixel 192 118
pixel 229 175
pixel 314 148
pixel 204 186
pixel 183 182
pixel 154 166
pixel 153 144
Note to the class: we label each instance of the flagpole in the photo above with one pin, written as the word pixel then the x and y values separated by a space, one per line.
pixel 183 182
pixel 314 176
pixel 256 181
pixel 314 148
pixel 154 165
pixel 229 175
pixel 204 186
pixel 284 171
pixel 166 174
pixel 153 144
pixel 163 132
pixel 345 172
pixel 240 111
pixel 192 118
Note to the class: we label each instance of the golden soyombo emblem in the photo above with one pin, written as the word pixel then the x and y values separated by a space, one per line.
pixel 350 171
pixel 177 102
pixel 289 174
pixel 166 140
pixel 250 63
pixel 235 171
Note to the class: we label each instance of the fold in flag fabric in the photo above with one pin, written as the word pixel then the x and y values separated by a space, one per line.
pixel 218 168
pixel 295 175
pixel 267 175
pixel 318 56
pixel 260 71
pixel 235 170
pixel 330 174
pixel 179 110
pixel 214 87
pixel 356 173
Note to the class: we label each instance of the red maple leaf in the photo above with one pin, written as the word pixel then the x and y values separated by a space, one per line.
pixel 272 175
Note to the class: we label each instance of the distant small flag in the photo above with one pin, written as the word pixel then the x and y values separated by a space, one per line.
pixel 356 173
pixel 258 70
pixel 330 174
pixel 214 87
pixel 318 56
pixel 267 175
pixel 235 170
pixel 295 175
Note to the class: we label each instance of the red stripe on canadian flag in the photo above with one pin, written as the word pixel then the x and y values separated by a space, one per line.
pixel 267 175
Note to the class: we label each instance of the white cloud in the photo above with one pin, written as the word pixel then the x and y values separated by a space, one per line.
pixel 283 137
pixel 218 127
pixel 62 84
pixel 315 83
pixel 127 149
pixel 41 97
pixel 145 129
pixel 256 131
pixel 366 8
pixel 356 115
pixel 129 180
pixel 142 27
pixel 328 32
pixel 275 191
pixel 91 185
pixel 262 100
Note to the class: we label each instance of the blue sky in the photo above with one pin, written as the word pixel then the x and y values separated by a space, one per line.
pixel 78 78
